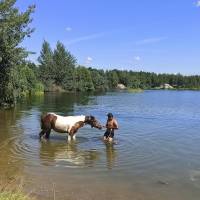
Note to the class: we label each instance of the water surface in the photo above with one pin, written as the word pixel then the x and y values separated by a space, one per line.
pixel 156 156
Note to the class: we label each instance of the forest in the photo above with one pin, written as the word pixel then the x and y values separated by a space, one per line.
pixel 57 69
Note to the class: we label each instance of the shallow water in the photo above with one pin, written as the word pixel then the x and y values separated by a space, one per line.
pixel 156 156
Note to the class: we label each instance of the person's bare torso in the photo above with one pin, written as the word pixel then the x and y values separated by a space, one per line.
pixel 112 124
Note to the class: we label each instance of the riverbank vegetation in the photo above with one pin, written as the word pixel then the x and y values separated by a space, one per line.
pixel 11 190
pixel 16 76
pixel 15 195
pixel 57 69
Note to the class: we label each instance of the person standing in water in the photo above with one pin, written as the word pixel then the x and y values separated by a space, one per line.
pixel 111 125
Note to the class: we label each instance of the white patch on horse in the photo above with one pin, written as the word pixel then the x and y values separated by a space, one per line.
pixel 64 124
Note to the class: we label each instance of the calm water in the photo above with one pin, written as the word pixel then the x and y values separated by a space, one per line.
pixel 157 155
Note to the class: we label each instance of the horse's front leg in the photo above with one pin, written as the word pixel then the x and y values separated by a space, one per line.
pixel 74 137
pixel 75 128
pixel 69 138
pixel 72 134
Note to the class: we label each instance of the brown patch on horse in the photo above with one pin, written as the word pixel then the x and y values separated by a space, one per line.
pixel 47 123
pixel 75 128
pixel 92 122
pixel 89 119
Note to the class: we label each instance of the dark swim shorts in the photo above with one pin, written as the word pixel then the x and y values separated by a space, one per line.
pixel 109 133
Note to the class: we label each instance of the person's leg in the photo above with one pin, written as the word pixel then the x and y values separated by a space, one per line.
pixel 105 137
pixel 111 136
pixel 110 139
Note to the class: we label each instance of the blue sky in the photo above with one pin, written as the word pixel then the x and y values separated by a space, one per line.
pixel 148 35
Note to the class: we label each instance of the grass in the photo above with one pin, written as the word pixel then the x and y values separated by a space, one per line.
pixel 13 190
pixel 13 195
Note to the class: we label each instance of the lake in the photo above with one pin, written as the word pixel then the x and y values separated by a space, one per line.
pixel 157 155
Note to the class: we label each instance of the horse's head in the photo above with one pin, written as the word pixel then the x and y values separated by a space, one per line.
pixel 93 122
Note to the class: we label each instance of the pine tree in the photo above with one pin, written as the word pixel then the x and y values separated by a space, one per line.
pixel 46 65
pixel 64 65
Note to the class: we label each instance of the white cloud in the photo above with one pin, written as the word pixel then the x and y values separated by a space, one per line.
pixel 150 40
pixel 88 60
pixel 137 58
pixel 68 29
pixel 134 60
pixel 198 3
pixel 85 38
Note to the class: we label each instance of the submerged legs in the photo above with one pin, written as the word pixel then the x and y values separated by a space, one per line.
pixel 46 133
pixel 41 133
pixel 74 137
pixel 71 137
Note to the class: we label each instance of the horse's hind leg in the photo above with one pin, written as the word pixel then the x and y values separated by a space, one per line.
pixel 42 133
pixel 48 134
pixel 46 125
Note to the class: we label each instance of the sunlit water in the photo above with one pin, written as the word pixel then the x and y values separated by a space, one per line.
pixel 156 155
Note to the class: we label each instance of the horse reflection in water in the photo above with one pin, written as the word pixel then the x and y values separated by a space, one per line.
pixel 67 155
pixel 66 124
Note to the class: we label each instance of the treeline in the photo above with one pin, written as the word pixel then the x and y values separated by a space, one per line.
pixel 147 80
pixel 57 69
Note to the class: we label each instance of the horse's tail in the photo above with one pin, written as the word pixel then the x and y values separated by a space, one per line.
pixel 42 120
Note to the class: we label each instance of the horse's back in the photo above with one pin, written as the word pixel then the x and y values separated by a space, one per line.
pixel 65 123
pixel 70 119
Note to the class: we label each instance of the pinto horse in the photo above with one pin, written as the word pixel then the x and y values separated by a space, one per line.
pixel 66 124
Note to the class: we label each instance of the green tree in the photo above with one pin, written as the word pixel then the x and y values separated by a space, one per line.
pixel 83 80
pixel 24 80
pixel 98 79
pixel 46 65
pixel 124 77
pixel 14 27
pixel 113 78
pixel 64 65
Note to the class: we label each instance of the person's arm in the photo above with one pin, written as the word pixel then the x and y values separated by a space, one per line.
pixel 115 124
pixel 106 126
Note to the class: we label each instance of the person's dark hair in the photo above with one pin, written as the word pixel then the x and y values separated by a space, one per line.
pixel 110 115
